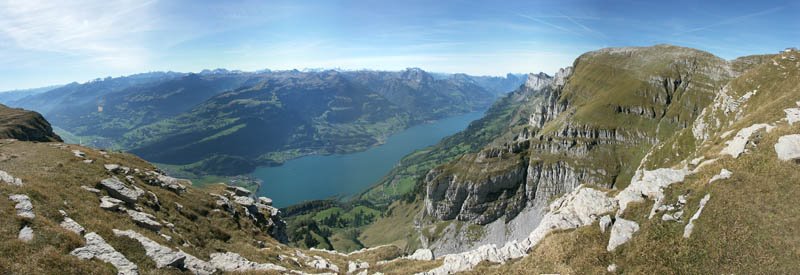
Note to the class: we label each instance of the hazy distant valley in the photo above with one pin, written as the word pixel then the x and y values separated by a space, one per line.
pixel 226 123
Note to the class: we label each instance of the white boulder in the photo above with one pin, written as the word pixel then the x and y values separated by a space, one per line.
pixel 788 147
pixel 421 254
pixel 72 225
pixel 265 201
pixel 723 174
pixel 621 232
pixel 144 220
pixel 24 206
pixel 174 184
pixel 8 178
pixel 676 216
pixel 109 203
pixel 119 190
pixel 232 262
pixel 353 266
pixel 239 191
pixel 25 234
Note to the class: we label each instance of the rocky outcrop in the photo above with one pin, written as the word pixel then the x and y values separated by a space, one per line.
pixel 649 184
pixel 671 212
pixel 72 225
pixel 232 262
pixel 111 204
pixel 483 201
pixel 318 262
pixel 163 256
pixel 421 255
pixel 736 145
pixel 788 147
pixel 353 266
pixel 260 211
pixel 550 104
pixel 581 207
pixel 25 125
pixel 238 191
pixel 144 220
pixel 8 178
pixel 157 178
pixel 97 248
pixel 198 266
pixel 119 190
pixel 546 180
pixel 24 206
pixel 538 81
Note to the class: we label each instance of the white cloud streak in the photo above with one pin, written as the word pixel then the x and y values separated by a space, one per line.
pixel 107 33
pixel 732 20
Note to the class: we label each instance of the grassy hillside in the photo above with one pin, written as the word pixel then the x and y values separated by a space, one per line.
pixel 55 179
pixel 746 226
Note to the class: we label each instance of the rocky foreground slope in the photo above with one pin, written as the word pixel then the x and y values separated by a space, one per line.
pixel 68 209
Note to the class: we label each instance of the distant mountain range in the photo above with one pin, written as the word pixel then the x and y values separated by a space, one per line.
pixel 225 122
pixel 8 96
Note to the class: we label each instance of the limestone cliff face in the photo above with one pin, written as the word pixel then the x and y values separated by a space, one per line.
pixel 25 125
pixel 591 124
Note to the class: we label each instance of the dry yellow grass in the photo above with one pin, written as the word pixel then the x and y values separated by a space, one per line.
pixel 53 178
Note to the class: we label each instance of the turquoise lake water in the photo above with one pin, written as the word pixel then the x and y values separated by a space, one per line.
pixel 321 177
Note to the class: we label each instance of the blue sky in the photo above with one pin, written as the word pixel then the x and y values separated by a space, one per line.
pixel 50 42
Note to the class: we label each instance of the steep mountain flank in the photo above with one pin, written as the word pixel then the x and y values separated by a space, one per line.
pixel 651 144
pixel 591 125
pixel 25 125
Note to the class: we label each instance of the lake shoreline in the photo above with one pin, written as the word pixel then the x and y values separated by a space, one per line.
pixel 282 182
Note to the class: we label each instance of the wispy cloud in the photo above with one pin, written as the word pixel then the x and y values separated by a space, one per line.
pixel 107 32
pixel 541 21
pixel 732 20
pixel 582 26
